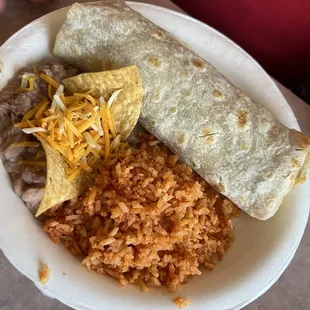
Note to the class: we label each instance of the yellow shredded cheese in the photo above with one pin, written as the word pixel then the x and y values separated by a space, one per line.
pixel 30 78
pixel 49 80
pixel 49 91
pixel 80 127
pixel 71 127
pixel 74 174
pixel 30 114
pixel 106 139
pixel 25 124
pixel 41 109
pixel 31 83
pixel 86 96
pixel 110 121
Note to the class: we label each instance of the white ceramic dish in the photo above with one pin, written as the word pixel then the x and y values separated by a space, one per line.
pixel 261 251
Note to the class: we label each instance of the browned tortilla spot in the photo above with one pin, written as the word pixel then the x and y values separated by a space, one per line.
pixel 154 61
pixel 241 118
pixel 301 180
pixel 217 93
pixel 198 63
pixel 181 139
pixel 292 180
pixel 208 135
pixel 295 163
pixel 209 139
pixel 185 74
pixel 218 187
pixel 173 110
pixel 305 142
pixel 206 131
pixel 244 147
pixel 299 140
pixel 158 34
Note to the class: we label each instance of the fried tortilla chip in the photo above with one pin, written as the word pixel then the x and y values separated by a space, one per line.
pixel 125 110
pixel 126 107
pixel 58 189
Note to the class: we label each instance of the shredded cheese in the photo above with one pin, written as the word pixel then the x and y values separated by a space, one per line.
pixel 33 130
pixel 25 79
pixel 59 103
pixel 80 127
pixel 40 110
pixel 49 80
pixel 113 97
pixel 49 91
pixel 25 124
pixel 106 139
pixel 30 114
pixel 111 122
pixel 89 139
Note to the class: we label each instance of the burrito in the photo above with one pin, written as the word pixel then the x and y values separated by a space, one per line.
pixel 235 144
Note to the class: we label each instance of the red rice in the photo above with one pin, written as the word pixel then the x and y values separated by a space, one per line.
pixel 148 219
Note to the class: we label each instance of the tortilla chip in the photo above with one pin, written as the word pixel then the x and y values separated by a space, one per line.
pixel 58 189
pixel 126 108
pixel 125 111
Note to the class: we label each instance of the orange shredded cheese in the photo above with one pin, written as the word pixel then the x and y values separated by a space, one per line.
pixel 49 91
pixel 79 127
pixel 25 124
pixel 42 107
pixel 29 80
pixel 49 80
pixel 106 139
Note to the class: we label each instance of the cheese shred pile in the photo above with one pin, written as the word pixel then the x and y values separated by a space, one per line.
pixel 80 127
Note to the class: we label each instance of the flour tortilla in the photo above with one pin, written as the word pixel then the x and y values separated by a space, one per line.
pixel 232 142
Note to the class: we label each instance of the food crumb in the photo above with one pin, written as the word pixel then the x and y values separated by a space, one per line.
pixel 181 302
pixel 44 274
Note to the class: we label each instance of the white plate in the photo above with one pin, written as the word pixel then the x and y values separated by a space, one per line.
pixel 261 251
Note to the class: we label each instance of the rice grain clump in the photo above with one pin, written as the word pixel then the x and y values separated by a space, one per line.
pixel 44 274
pixel 181 302
pixel 148 219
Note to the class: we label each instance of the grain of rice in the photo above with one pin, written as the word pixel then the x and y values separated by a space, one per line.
pixel 113 232
pixel 123 207
pixel 106 242
pixel 72 217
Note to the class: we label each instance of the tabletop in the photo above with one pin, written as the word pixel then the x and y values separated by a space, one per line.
pixel 18 293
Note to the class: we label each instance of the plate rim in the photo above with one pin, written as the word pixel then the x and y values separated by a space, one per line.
pixel 275 87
